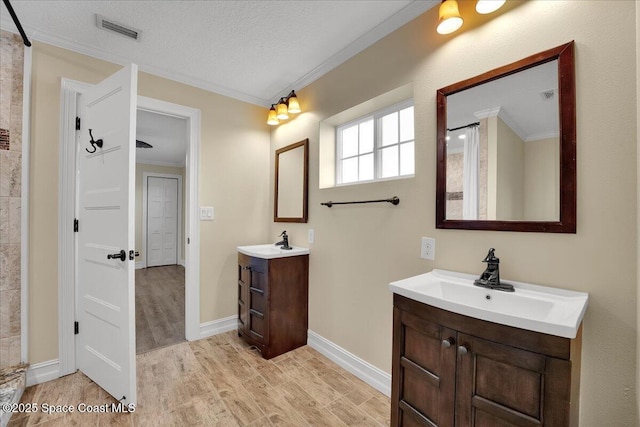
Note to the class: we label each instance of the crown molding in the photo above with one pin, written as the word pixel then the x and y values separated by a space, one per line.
pixel 542 136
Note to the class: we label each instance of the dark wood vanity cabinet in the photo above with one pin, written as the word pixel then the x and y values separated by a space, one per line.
pixel 273 300
pixel 453 370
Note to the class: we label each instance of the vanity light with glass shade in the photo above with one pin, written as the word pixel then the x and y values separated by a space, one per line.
pixel 488 6
pixel 282 110
pixel 449 19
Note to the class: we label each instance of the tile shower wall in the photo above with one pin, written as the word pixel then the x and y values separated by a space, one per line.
pixel 11 73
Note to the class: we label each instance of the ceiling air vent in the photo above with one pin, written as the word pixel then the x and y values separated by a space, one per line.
pixel 548 95
pixel 121 29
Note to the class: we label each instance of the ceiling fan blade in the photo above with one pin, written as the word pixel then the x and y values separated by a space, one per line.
pixel 142 144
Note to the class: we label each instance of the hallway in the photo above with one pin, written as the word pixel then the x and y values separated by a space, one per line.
pixel 159 307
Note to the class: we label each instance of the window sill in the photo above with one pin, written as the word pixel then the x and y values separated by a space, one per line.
pixel 374 181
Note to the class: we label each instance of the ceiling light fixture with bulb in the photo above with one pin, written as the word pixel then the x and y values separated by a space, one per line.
pixel 449 19
pixel 281 111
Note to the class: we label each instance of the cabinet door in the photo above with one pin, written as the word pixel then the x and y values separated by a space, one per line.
pixel 423 386
pixel 244 279
pixel 499 386
pixel 257 299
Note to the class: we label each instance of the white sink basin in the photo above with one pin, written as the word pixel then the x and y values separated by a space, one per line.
pixel 533 307
pixel 270 251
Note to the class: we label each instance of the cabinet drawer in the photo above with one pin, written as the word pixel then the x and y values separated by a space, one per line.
pixel 257 326
pixel 420 390
pixel 258 283
pixel 257 301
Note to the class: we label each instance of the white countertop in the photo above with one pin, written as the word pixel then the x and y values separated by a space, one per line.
pixel 270 251
pixel 536 308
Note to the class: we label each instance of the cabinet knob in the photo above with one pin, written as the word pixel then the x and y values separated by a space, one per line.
pixel 448 342
pixel 462 350
pixel 246 268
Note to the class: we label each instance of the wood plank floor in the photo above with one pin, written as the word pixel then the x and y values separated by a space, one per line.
pixel 159 307
pixel 220 381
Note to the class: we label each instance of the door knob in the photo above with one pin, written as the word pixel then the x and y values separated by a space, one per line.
pixel 122 255
pixel 462 350
pixel 448 342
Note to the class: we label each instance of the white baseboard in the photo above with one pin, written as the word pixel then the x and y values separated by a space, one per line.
pixel 375 377
pixel 215 327
pixel 43 372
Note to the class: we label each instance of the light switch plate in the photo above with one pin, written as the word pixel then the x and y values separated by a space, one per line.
pixel 206 213
pixel 311 235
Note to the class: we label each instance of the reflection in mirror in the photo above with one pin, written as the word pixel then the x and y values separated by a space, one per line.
pixel 503 148
pixel 506 147
pixel 291 178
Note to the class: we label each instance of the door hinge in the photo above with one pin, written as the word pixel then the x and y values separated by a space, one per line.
pixel 76 328
pixel 75 225
pixel 77 123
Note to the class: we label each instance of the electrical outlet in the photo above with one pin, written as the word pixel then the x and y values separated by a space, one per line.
pixel 311 235
pixel 428 248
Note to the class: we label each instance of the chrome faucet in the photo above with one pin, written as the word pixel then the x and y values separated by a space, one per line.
pixel 285 241
pixel 490 278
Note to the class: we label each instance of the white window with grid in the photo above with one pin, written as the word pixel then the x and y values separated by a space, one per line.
pixel 377 146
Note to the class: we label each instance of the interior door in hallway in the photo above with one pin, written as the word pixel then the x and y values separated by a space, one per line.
pixel 162 221
pixel 105 344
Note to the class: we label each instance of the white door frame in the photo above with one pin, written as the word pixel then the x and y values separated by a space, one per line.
pixel 67 211
pixel 192 223
pixel 145 176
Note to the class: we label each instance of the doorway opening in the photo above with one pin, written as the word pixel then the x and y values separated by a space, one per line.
pixel 161 168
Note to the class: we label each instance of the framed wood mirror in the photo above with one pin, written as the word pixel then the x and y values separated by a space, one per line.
pixel 291 183
pixel 506 147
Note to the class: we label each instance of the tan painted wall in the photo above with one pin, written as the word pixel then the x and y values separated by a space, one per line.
pixel 359 249
pixel 510 173
pixel 142 168
pixel 234 168
pixel 542 180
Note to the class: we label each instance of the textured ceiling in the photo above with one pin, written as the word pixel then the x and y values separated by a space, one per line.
pixel 255 51
pixel 167 135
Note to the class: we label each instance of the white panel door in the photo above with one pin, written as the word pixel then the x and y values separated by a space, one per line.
pixel 106 343
pixel 162 221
